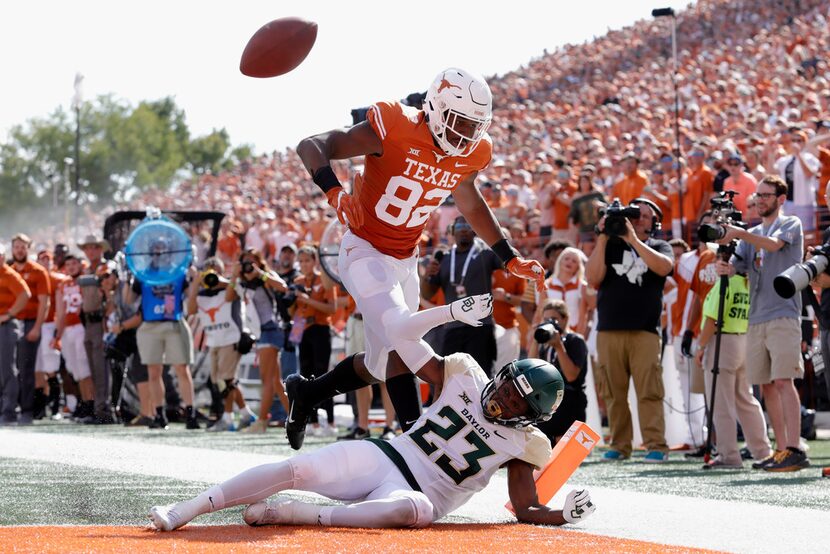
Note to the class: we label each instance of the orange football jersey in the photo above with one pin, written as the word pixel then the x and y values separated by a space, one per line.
pixel 404 185
pixel 71 294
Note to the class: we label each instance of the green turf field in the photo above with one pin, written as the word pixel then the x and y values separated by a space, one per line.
pixel 38 492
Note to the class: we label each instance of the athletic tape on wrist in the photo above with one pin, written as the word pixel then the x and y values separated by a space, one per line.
pixel 326 179
pixel 505 251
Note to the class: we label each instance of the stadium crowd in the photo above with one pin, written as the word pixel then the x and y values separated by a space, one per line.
pixel 573 130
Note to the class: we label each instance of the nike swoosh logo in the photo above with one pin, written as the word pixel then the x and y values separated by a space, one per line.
pixel 212 505
pixel 460 165
pixel 499 435
pixel 349 249
pixel 411 422
pixel 291 414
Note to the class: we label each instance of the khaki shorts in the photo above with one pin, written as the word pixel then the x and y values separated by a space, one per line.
pixel 165 342
pixel 732 352
pixel 223 363
pixel 773 351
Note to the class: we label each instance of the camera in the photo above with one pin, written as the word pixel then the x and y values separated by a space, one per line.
pixel 247 267
pixel 723 214
pixel 211 279
pixel 545 330
pixel 798 276
pixel 615 215
pixel 89 281
pixel 290 296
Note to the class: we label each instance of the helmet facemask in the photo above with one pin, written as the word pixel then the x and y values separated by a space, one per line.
pixel 461 133
pixel 458 105
pixel 515 376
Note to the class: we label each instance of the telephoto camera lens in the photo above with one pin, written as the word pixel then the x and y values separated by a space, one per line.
pixel 797 277
pixel 711 232
pixel 211 280
pixel 545 331
pixel 247 267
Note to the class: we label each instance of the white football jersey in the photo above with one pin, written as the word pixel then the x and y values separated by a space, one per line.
pixel 453 451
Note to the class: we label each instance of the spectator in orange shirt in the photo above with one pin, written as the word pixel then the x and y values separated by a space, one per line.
pixel 818 145
pixel 31 318
pixel 507 294
pixel 740 181
pixel 229 247
pixel 547 189
pixel 562 199
pixel 312 319
pixel 632 184
pixel 697 190
pixel 14 295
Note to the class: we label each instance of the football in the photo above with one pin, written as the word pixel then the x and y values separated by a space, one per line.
pixel 278 47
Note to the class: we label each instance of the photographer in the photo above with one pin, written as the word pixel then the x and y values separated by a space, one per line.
pixel 774 336
pixel 255 282
pixel 733 400
pixel 567 351
pixel 823 280
pixel 629 269
pixel 222 324
pixel 288 271
pixel 123 319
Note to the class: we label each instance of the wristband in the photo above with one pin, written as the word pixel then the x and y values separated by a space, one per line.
pixel 505 251
pixel 326 179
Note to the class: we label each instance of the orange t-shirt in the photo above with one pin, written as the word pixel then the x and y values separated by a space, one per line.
pixel 316 291
pixel 704 279
pixel 504 313
pixel 630 187
pixel 70 293
pixel 698 190
pixel 229 246
pixel 560 209
pixel 37 279
pixel 11 285
pixel 824 174
pixel 744 185
pixel 404 185
pixel 55 280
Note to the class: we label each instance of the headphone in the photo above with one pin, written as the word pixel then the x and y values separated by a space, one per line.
pixel 656 219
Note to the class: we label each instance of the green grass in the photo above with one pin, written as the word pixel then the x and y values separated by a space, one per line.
pixel 54 493
pixel 679 476
pixel 37 493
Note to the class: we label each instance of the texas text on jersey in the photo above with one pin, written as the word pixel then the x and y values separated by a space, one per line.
pixel 404 185
pixel 453 450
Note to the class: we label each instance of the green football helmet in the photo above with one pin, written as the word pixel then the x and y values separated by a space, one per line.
pixel 537 381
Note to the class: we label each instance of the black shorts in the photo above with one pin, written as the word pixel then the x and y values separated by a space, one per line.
pixel 478 342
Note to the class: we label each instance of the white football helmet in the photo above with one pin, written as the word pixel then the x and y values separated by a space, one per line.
pixel 459 107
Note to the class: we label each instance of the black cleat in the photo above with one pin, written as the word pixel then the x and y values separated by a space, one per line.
pixel 357 433
pixel 298 412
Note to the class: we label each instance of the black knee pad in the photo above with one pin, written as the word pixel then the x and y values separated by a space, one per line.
pixel 226 387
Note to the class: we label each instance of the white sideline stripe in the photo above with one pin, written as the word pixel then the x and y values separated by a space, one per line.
pixel 666 519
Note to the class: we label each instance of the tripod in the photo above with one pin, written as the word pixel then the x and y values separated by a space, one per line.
pixel 724 252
